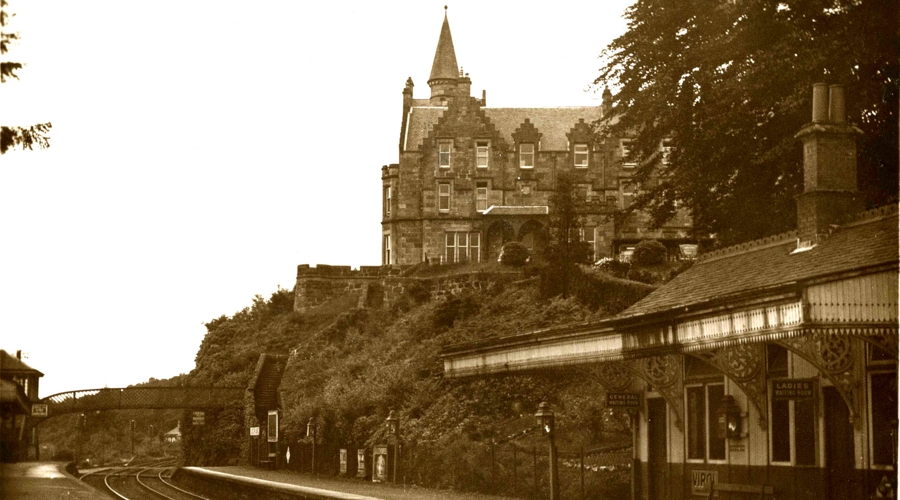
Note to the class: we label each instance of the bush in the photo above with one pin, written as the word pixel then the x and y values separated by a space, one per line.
pixel 649 253
pixel 514 254
pixel 613 267
pixel 642 275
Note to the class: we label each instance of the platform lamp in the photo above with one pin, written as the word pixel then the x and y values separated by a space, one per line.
pixel 393 428
pixel 728 419
pixel 311 432
pixel 547 421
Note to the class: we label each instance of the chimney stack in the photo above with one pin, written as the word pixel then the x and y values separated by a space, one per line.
pixel 19 355
pixel 829 165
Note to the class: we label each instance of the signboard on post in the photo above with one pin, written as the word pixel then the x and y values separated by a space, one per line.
pixel 254 431
pixel 623 400
pixel 701 480
pixel 199 418
pixel 380 464
pixel 39 410
pixel 272 427
pixel 788 389
pixel 361 463
pixel 343 461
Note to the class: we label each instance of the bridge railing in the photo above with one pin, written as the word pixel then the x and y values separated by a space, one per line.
pixel 142 398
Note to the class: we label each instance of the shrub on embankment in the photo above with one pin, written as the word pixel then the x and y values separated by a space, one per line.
pixel 349 367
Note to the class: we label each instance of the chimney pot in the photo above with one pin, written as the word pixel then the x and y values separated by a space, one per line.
pixel 820 102
pixel 836 110
pixel 19 355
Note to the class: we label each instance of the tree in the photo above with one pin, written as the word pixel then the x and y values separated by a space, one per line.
pixel 35 135
pixel 565 248
pixel 728 84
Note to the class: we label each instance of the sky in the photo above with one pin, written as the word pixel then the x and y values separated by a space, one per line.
pixel 201 150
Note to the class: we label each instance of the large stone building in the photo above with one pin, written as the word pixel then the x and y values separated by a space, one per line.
pixel 768 368
pixel 471 177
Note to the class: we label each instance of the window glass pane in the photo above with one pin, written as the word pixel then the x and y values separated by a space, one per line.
pixel 781 432
pixel 581 155
pixel 451 239
pixel 777 360
pixel 444 155
pixel 716 445
pixel 879 354
pixel 696 417
pixel 805 432
pixel 526 155
pixel 884 411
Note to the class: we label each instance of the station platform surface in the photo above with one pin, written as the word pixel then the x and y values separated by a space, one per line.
pixel 44 481
pixel 382 491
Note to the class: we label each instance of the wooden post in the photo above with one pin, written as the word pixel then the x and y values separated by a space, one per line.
pixel 582 473
pixel 515 470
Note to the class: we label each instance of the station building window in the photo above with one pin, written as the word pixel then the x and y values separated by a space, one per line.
pixel 882 384
pixel 793 422
pixel 702 402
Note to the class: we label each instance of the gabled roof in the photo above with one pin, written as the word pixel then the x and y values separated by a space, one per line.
pixel 772 262
pixel 12 364
pixel 552 123
pixel 444 65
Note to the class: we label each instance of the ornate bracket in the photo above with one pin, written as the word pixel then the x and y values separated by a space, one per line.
pixel 885 341
pixel 665 373
pixel 612 375
pixel 835 356
pixel 745 365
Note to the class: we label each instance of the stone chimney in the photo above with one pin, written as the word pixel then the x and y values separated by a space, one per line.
pixel 606 104
pixel 829 165
pixel 19 355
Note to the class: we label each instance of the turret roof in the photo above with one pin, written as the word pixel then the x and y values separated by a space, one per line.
pixel 444 65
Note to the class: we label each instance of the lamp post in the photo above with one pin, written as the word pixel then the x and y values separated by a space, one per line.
pixel 311 433
pixel 132 439
pixel 547 421
pixel 393 427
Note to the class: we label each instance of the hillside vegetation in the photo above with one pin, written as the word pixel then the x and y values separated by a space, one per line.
pixel 350 367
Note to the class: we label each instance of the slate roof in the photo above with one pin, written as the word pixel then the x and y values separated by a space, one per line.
pixel 12 364
pixel 513 210
pixel 444 65
pixel 768 263
pixel 552 123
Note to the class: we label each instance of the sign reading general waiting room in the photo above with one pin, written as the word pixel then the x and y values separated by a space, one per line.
pixel 623 400
pixel 787 389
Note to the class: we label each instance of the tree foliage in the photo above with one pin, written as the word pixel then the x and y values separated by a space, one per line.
pixel 27 137
pixel 565 248
pixel 729 84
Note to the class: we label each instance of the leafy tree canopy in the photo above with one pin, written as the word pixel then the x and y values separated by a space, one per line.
pixel 27 137
pixel 729 84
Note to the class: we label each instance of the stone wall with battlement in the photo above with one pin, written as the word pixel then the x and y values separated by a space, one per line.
pixel 382 286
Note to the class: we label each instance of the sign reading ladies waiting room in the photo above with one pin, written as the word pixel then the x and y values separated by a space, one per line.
pixel 787 389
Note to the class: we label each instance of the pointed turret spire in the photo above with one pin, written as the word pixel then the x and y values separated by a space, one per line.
pixel 444 66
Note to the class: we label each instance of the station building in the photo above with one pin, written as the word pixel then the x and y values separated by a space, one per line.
pixel 472 177
pixel 768 368
pixel 18 390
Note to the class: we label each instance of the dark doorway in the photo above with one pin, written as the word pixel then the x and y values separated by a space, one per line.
pixel 839 463
pixel 657 468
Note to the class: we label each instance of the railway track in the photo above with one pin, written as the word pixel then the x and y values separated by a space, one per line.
pixel 145 480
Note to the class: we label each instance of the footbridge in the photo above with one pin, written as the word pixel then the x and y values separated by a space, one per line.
pixel 139 398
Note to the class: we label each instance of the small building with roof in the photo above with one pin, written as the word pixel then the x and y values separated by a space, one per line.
pixel 18 390
pixel 767 368
pixel 471 177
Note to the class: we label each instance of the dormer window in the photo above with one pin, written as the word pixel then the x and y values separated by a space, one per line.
pixel 581 155
pixel 482 153
pixel 526 155
pixel 444 150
